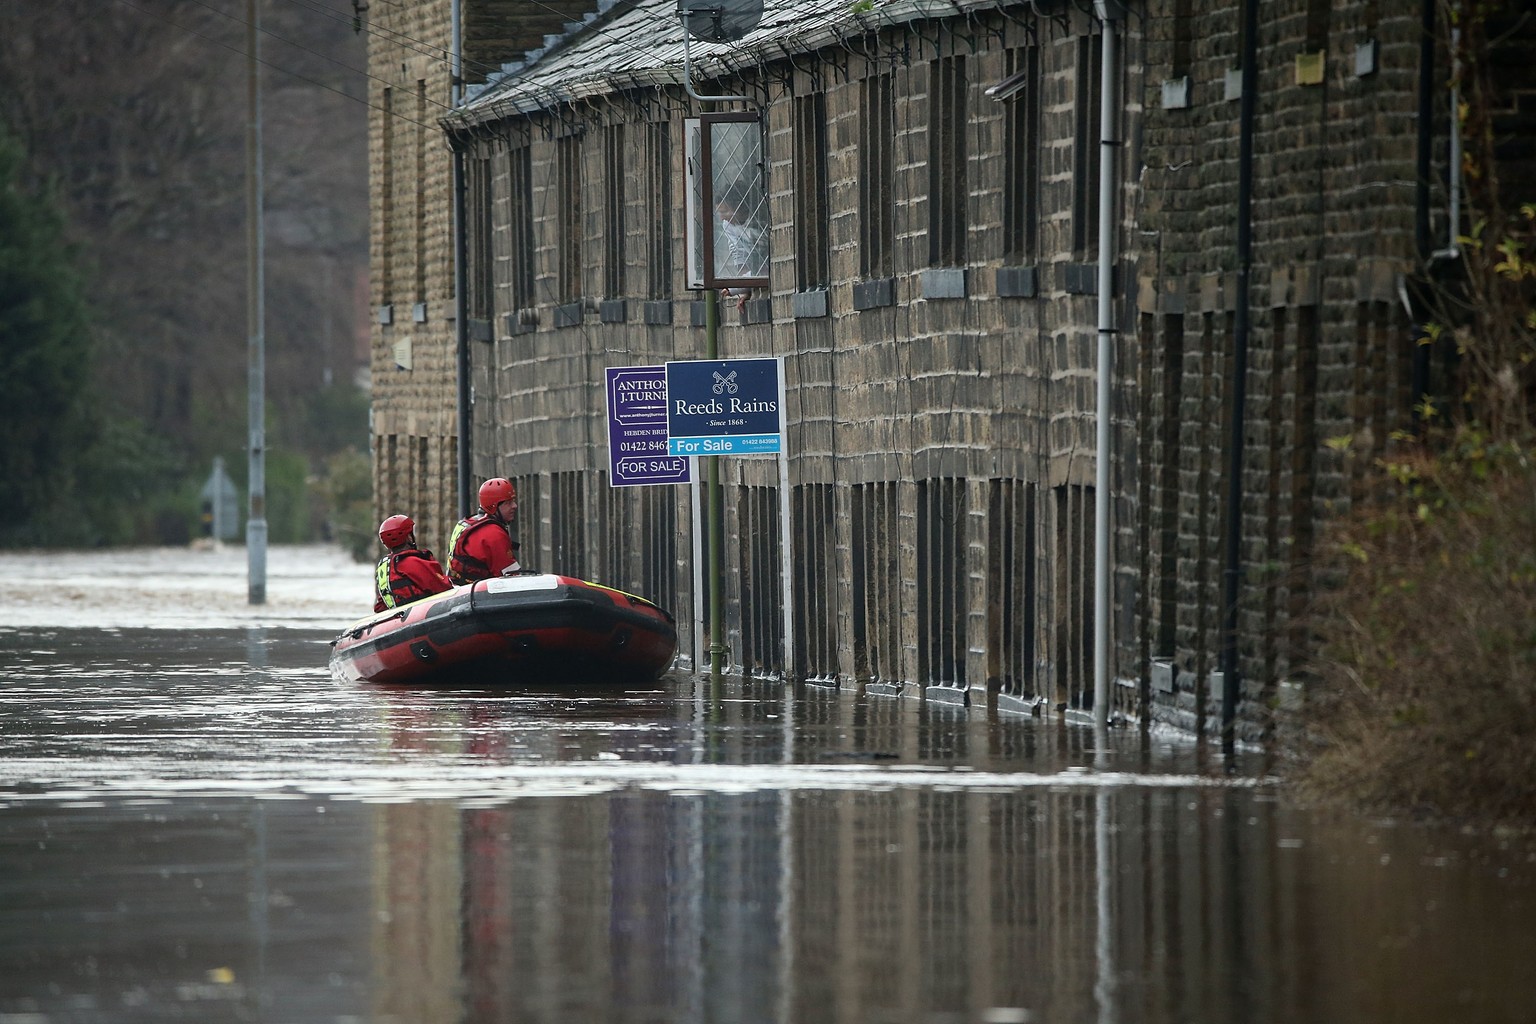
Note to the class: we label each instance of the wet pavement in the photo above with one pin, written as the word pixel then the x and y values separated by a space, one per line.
pixel 198 823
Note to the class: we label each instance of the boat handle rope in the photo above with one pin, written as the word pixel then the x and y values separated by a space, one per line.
pixel 635 600
pixel 358 632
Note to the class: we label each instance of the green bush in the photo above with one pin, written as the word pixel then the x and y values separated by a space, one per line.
pixel 288 511
pixel 346 490
pixel 45 359
pixel 1426 689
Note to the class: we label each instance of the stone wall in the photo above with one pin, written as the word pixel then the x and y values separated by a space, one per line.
pixel 1330 352
pixel 942 414
pixel 415 427
pixel 944 394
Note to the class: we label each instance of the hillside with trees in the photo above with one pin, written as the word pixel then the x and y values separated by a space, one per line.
pixel 128 128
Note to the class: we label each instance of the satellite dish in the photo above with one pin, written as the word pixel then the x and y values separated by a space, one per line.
pixel 719 21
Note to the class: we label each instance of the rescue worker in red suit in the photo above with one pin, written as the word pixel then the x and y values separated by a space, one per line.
pixel 407 573
pixel 482 546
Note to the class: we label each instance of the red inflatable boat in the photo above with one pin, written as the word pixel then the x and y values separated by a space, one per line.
pixel 511 630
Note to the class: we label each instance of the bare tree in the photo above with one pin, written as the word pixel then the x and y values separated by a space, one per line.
pixel 136 111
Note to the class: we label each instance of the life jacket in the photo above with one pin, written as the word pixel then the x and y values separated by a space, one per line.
pixel 395 588
pixel 463 567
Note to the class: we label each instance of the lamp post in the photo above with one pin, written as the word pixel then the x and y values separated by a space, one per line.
pixel 256 520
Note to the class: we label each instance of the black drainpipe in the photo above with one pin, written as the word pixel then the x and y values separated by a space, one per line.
pixel 1422 240
pixel 461 336
pixel 1234 525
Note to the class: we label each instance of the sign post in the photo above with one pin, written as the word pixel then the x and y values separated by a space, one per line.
pixel 733 407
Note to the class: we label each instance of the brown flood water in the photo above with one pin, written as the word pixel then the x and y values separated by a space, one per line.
pixel 202 825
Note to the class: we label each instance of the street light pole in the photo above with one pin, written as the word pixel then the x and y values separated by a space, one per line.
pixel 256 520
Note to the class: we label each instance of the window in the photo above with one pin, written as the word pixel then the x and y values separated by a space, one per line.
pixel 613 211
pixel 877 132
pixel 387 198
pixel 422 120
pixel 734 200
pixel 1180 61
pixel 1021 146
pixel 480 254
pixel 658 163
pixel 1168 471
pixel 1317 25
pixel 946 163
pixel 812 253
pixel 520 222
pixel 568 216
pixel 1085 149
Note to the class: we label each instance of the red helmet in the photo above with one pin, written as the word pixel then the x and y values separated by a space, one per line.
pixel 495 491
pixel 396 530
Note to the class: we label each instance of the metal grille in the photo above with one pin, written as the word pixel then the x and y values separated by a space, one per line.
pixel 941 582
pixel 816 581
pixel 876 583
pixel 658 552
pixel 1074 595
pixel 387 473
pixel 528 527
pixel 614 536
pixel 762 606
pixel 1165 500
pixel 1303 474
pixel 568 518
pixel 1011 597
pixel 424 487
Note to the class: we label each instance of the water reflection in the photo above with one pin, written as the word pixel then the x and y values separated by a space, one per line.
pixel 919 905
pixel 206 827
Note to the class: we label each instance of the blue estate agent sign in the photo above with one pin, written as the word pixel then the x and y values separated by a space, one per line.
pixel 637 429
pixel 725 406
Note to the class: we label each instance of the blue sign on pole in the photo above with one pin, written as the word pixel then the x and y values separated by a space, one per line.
pixel 637 429
pixel 725 406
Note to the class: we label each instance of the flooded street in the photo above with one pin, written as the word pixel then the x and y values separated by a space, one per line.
pixel 198 823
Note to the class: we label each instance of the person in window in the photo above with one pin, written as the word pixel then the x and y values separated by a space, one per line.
pixel 740 249
pixel 407 573
pixel 482 544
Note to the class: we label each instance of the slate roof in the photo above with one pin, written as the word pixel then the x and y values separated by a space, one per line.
pixel 626 46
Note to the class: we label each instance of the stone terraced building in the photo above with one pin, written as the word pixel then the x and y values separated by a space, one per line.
pixel 933 217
